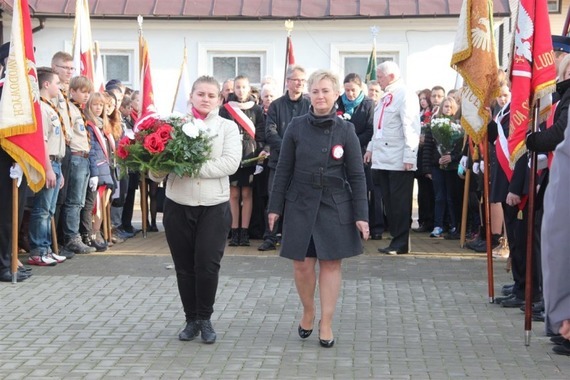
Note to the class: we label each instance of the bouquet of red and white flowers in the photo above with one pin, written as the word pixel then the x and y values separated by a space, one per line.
pixel 174 144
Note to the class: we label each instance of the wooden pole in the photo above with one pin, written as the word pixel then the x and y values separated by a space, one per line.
pixel 108 213
pixel 566 22
pixel 54 245
pixel 103 213
pixel 488 233
pixel 15 228
pixel 465 210
pixel 530 236
pixel 144 202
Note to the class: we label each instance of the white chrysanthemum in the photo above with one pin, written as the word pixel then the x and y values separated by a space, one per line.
pixel 191 130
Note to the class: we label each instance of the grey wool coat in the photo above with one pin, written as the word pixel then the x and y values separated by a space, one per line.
pixel 320 184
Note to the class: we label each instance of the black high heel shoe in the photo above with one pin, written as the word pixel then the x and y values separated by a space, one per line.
pixel 304 334
pixel 326 343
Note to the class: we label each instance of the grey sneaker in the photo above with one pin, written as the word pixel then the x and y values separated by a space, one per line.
pixel 208 333
pixel 76 245
pixel 191 331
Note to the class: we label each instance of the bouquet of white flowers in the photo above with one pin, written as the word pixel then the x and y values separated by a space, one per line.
pixel 446 134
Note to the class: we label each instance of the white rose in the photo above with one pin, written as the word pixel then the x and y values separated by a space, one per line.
pixel 191 130
pixel 201 125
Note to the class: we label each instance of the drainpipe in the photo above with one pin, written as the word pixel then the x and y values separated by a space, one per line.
pixel 42 21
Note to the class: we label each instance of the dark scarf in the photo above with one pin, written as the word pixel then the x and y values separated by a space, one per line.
pixel 324 121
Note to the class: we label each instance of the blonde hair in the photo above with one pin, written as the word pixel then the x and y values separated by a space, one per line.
pixel 114 119
pixel 452 102
pixel 95 98
pixel 319 75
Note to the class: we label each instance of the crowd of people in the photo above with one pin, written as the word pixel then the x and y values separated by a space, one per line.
pixel 319 172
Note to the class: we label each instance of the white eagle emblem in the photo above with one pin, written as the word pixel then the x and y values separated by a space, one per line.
pixel 524 31
pixel 481 35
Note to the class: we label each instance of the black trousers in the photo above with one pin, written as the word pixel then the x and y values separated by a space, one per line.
pixel 127 216
pixel 517 231
pixel 426 203
pixel 271 235
pixel 197 238
pixel 376 205
pixel 397 188
pixel 6 215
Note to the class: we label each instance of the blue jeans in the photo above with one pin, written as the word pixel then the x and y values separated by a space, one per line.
pixel 77 183
pixel 42 211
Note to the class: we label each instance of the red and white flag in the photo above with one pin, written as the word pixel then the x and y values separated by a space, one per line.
pixel 99 78
pixel 82 43
pixel 21 132
pixel 241 118
pixel 182 94
pixel 147 93
pixel 290 53
pixel 533 72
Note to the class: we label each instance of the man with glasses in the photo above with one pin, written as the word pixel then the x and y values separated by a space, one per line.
pixel 279 114
pixel 62 65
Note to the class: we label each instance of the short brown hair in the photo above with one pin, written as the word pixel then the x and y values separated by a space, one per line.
pixel 61 56
pixel 81 83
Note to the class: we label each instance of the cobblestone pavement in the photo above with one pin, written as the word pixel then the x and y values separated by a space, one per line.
pixel 419 316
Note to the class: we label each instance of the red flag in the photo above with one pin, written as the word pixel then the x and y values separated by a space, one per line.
pixel 147 94
pixel 21 132
pixel 82 45
pixel 290 53
pixel 533 72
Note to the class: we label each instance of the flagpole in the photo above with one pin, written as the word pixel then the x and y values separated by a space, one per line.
pixel 144 198
pixel 15 231
pixel 182 68
pixel 530 234
pixel 490 282
pixel 289 27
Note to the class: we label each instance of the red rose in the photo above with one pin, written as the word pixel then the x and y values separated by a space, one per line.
pixel 165 132
pixel 122 151
pixel 147 123
pixel 153 143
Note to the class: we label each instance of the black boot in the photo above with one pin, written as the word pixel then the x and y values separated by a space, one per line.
pixel 244 238
pixel 234 240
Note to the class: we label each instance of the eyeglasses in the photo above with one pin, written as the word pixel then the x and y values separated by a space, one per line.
pixel 297 80
pixel 66 68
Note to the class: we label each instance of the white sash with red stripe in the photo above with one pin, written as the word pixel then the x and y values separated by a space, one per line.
pixel 241 118
pixel 502 145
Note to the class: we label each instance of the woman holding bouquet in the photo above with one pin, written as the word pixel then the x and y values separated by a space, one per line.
pixel 320 185
pixel 443 168
pixel 197 213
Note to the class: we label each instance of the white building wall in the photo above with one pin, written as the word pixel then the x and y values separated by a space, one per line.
pixel 423 46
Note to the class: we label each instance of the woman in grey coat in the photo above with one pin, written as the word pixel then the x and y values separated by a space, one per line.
pixel 320 185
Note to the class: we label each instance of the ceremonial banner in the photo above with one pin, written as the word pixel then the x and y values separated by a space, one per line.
pixel 21 132
pixel 533 72
pixel 182 94
pixel 82 45
pixel 371 69
pixel 475 59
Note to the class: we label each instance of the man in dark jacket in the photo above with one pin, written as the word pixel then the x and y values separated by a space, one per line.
pixel 280 113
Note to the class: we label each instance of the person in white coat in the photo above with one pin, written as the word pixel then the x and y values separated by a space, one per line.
pixel 393 152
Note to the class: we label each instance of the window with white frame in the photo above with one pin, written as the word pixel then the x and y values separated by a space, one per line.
pixel 357 62
pixel 119 64
pixel 554 6
pixel 226 65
